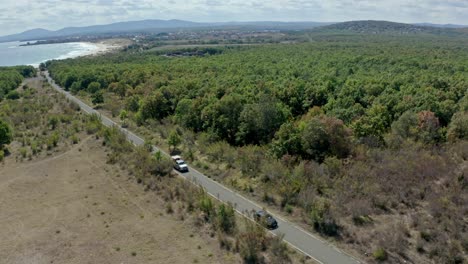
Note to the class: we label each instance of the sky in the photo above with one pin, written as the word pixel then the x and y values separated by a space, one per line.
pixel 20 15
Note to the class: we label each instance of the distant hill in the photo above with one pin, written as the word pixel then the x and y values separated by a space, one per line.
pixel 380 27
pixel 31 34
pixel 153 26
pixel 156 26
pixel 441 25
pixel 131 26
pixel 274 25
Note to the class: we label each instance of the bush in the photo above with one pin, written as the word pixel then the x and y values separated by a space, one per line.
pixel 251 242
pixel 2 154
pixel 97 98
pixel 75 139
pixel 23 152
pixel 169 209
pixel 322 218
pixel 380 254
pixel 279 250
pixel 289 209
pixel 52 141
pixel 163 166
pixel 6 134
pixel 13 95
pixel 226 218
pixel 35 148
pixel 206 206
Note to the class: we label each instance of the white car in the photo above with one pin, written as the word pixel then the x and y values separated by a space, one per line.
pixel 179 164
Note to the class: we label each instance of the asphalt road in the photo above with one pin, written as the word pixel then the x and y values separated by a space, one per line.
pixel 309 244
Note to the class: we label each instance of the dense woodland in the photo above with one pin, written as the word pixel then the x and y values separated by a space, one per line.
pixel 11 78
pixel 363 138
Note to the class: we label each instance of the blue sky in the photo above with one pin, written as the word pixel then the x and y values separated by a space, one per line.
pixel 20 15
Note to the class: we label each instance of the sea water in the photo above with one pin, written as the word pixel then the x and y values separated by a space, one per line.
pixel 11 53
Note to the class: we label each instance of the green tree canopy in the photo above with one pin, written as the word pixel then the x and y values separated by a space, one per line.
pixel 6 134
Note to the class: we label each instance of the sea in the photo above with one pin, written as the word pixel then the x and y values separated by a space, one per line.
pixel 12 54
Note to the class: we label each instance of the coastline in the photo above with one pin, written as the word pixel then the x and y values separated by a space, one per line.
pixel 108 45
pixel 90 49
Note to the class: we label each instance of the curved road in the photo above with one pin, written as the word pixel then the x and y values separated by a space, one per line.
pixel 312 246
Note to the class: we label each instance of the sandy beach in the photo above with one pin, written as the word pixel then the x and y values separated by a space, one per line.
pixel 110 45
pixel 97 48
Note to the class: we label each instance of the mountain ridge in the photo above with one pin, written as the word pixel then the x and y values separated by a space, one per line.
pixel 155 25
pixel 151 25
pixel 380 27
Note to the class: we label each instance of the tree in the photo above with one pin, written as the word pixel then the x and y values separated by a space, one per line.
pixel 406 125
pixel 75 87
pixel 260 121
pixel 374 123
pixel 155 106
pixel 97 98
pixel 188 113
pixel 287 141
pixel 132 103
pixel 315 140
pixel 174 140
pixel 94 87
pixel 6 134
pixel 123 117
pixel 428 126
pixel 458 128
pixel 222 117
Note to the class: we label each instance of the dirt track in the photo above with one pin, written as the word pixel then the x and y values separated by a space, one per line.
pixel 74 208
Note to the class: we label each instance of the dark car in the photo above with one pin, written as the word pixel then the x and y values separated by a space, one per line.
pixel 266 219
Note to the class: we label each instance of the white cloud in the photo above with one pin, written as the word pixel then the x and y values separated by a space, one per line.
pixel 20 15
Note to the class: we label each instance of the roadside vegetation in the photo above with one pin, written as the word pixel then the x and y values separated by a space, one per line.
pixel 188 202
pixel 37 122
pixel 362 139
pixel 41 123
pixel 11 78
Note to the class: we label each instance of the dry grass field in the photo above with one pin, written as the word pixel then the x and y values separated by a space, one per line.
pixel 74 208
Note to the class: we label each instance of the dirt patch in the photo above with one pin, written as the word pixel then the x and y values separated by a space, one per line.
pixel 75 208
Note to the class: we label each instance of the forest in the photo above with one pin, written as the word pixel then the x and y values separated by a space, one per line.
pixel 362 138
pixel 11 78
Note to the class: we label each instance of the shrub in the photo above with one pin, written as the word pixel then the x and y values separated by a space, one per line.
pixel 2 154
pixel 163 167
pixel 169 208
pixel 53 122
pixel 6 134
pixel 251 242
pixel 362 220
pixel 23 152
pixel 75 139
pixel 35 148
pixel 226 219
pixel 279 250
pixel 206 206
pixel 13 95
pixel 174 140
pixel 52 141
pixel 97 98
pixel 380 254
pixel 323 219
